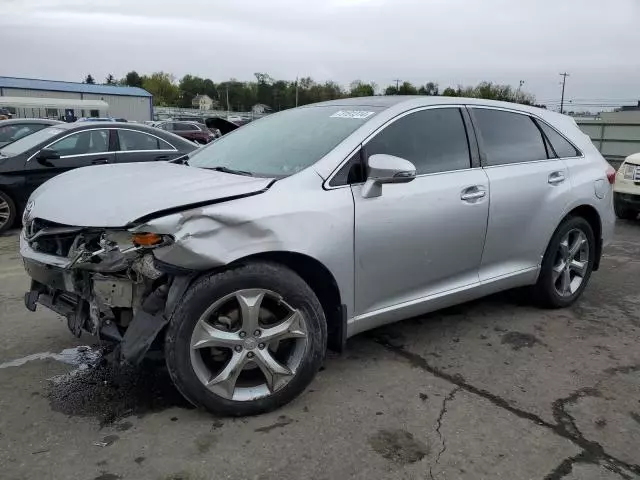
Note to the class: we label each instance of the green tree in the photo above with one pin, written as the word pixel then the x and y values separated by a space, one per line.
pixel 210 88
pixel 391 90
pixel 358 88
pixel 160 85
pixel 132 79
pixel 283 95
pixel 110 80
pixel 190 86
pixel 430 88
pixel 407 88
pixel 263 88
pixel 89 79
pixel 491 91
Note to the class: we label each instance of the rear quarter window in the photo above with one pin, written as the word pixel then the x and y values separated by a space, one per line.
pixel 561 146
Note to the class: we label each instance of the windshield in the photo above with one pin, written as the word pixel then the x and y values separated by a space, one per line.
pixel 283 143
pixel 30 141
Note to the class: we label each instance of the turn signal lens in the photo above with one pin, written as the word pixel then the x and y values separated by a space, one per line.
pixel 146 239
pixel 611 175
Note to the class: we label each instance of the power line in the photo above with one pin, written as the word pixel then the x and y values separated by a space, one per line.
pixel 564 80
pixel 397 84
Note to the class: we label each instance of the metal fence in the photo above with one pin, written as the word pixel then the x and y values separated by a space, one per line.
pixel 615 139
pixel 170 112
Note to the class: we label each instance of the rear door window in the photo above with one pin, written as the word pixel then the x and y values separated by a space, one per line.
pixel 183 127
pixel 88 141
pixel 434 140
pixel 131 140
pixel 561 146
pixel 508 137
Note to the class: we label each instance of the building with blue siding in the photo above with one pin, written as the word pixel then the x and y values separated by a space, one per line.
pixel 131 103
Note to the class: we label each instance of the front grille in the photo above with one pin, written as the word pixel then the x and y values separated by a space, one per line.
pixel 58 245
pixel 50 237
pixel 38 224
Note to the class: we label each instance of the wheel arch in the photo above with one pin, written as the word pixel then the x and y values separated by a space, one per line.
pixel 591 215
pixel 321 281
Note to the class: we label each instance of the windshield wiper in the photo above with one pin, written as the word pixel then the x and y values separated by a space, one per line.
pixel 231 170
pixel 183 160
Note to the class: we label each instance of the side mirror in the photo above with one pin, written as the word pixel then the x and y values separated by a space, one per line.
pixel 45 156
pixel 48 154
pixel 386 169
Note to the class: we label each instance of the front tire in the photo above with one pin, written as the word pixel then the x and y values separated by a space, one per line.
pixel 567 264
pixel 246 340
pixel 623 211
pixel 8 212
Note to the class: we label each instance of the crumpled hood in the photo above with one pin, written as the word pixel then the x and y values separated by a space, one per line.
pixel 115 195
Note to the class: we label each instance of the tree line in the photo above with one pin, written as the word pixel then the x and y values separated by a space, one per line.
pixel 241 96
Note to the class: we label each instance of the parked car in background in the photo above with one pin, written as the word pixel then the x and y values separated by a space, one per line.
pixel 196 132
pixel 30 161
pixel 5 114
pixel 220 125
pixel 101 119
pixel 314 224
pixel 626 196
pixel 12 130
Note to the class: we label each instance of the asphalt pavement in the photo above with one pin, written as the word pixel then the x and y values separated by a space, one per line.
pixel 493 389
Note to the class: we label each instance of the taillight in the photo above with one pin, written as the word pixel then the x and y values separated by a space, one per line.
pixel 611 175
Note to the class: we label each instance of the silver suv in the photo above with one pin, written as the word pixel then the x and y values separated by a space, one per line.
pixel 300 230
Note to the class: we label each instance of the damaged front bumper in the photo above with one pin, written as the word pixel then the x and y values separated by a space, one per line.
pixel 111 290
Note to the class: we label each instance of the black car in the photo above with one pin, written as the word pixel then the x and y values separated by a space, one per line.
pixel 27 163
pixel 12 130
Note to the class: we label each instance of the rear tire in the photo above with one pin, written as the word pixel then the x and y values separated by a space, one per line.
pixel 564 274
pixel 8 212
pixel 229 322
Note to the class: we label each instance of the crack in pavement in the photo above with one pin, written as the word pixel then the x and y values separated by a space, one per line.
pixel 443 411
pixel 563 418
pixel 565 426
pixel 566 466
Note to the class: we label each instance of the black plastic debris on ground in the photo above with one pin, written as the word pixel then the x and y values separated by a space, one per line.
pixel 110 392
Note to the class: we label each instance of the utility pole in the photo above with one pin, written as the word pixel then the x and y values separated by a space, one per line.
pixel 397 85
pixel 296 91
pixel 564 80
pixel 518 90
pixel 227 101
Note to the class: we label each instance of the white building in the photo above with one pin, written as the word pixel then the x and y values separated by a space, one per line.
pixel 84 100
pixel 202 102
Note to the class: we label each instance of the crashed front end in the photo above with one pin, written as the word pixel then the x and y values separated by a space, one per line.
pixel 102 280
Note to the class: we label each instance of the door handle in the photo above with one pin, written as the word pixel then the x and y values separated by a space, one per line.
pixel 99 161
pixel 556 178
pixel 162 157
pixel 472 193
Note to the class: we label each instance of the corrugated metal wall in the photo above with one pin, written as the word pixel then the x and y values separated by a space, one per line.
pixel 131 108
pixel 615 140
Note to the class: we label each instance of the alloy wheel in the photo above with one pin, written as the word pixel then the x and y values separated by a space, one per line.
pixel 571 263
pixel 5 212
pixel 248 345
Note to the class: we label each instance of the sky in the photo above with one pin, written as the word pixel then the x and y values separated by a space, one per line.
pixel 451 42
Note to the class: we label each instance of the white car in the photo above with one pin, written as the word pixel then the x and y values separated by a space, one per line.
pixel 626 191
pixel 306 227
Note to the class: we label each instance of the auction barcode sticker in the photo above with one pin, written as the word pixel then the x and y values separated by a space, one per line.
pixel 352 114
